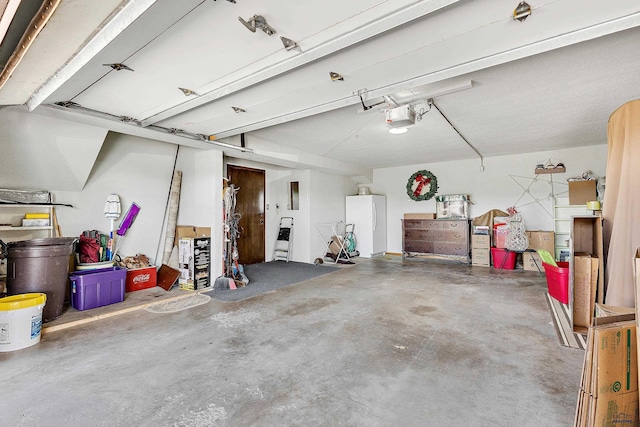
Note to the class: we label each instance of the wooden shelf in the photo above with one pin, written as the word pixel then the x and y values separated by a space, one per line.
pixel 550 170
pixel 11 228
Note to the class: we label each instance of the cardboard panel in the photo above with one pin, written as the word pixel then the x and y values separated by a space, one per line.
pixel 609 385
pixel 581 192
pixel 542 240
pixel 420 216
pixel 584 289
pixel 185 231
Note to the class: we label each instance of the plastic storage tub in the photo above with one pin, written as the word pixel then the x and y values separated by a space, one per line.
pixel 558 280
pixel 40 266
pixel 21 320
pixel 97 288
pixel 503 259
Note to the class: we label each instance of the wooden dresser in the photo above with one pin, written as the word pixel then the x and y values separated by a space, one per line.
pixel 445 238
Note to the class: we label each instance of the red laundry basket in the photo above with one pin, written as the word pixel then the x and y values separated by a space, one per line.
pixel 558 280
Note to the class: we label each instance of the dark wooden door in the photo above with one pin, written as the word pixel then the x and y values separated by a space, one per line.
pixel 250 204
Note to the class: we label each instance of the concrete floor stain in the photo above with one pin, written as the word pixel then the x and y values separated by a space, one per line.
pixel 422 310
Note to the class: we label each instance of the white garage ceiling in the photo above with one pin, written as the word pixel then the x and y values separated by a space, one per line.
pixel 546 83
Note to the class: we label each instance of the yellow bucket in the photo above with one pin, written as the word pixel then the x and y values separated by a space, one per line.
pixel 20 320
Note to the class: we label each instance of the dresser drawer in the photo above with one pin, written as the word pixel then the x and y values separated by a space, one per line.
pixel 450 249
pixel 455 225
pixel 418 235
pixel 453 236
pixel 433 224
pixel 412 224
pixel 418 246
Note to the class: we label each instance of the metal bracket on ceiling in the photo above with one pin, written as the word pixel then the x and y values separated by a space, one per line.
pixel 118 66
pixel 187 92
pixel 258 22
pixel 68 104
pixel 386 99
pixel 290 44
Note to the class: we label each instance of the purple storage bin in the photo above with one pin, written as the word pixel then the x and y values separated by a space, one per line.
pixel 96 288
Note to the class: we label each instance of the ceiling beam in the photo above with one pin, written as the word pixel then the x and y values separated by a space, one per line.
pixel 120 19
pixel 457 70
pixel 361 33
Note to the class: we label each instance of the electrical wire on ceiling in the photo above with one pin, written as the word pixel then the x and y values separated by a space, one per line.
pixel 431 103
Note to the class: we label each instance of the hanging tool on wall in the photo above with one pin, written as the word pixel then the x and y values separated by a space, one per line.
pixel 126 223
pixel 111 212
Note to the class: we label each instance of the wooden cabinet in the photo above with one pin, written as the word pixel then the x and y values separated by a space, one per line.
pixel 441 237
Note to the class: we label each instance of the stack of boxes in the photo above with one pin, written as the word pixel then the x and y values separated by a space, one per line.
pixel 480 249
pixel 194 257
pixel 36 219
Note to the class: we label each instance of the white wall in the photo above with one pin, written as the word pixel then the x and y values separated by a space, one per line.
pixel 44 153
pixel 138 170
pixel 277 181
pixel 278 193
pixel 492 189
pixel 322 200
pixel 201 196
pixel 328 198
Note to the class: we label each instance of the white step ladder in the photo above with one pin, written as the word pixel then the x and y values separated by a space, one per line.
pixel 282 248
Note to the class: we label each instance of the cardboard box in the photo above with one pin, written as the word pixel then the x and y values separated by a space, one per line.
pixel 184 231
pixel 140 278
pixel 194 260
pixel 581 192
pixel 585 283
pixel 620 410
pixel 609 385
pixel 481 257
pixel 420 216
pixel 531 261
pixel 480 241
pixel 615 351
pixel 542 240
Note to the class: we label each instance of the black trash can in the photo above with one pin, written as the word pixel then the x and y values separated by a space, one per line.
pixel 40 265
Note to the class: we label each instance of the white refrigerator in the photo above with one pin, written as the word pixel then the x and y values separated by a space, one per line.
pixel 368 214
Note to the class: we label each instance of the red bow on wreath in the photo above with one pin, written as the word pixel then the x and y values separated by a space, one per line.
pixel 422 181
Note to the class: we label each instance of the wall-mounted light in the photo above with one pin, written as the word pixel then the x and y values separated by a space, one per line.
pixel 522 11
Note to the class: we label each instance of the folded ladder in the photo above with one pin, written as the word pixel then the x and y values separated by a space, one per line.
pixel 282 248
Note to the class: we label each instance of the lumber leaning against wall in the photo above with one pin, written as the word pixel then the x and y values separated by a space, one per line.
pixel 622 203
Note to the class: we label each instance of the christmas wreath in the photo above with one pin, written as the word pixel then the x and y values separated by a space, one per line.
pixel 422 185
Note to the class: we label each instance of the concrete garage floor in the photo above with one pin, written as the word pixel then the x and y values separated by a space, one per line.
pixel 380 343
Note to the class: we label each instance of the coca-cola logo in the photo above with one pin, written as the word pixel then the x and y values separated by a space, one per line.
pixel 140 278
